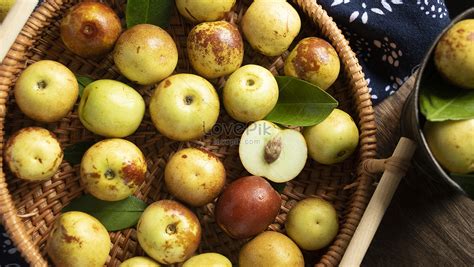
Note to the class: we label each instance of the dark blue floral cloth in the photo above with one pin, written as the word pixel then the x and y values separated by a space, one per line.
pixel 9 255
pixel 390 38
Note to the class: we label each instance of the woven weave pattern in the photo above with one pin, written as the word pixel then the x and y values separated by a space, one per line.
pixel 29 208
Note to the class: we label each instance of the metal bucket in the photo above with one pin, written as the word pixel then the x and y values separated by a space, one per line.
pixel 425 164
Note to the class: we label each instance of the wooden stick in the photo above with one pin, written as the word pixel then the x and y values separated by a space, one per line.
pixel 395 169
pixel 13 23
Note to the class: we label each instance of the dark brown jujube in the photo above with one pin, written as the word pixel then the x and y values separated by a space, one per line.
pixel 247 207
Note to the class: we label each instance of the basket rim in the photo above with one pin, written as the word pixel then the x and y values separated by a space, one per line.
pixel 14 62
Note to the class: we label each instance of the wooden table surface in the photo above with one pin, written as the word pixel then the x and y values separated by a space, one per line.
pixel 427 222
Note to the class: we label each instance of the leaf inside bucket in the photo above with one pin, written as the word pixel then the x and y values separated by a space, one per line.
pixel 156 12
pixel 114 215
pixel 73 153
pixel 300 103
pixel 440 101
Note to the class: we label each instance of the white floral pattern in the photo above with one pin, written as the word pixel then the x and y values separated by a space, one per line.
pixel 372 96
pixel 363 13
pixel 433 8
pixel 7 246
pixel 391 53
pixel 395 85
pixel 377 32
pixel 359 44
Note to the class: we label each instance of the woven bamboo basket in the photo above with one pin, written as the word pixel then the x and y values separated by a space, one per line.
pixel 29 209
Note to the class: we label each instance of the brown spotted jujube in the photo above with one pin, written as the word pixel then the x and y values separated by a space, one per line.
pixel 169 232
pixel 454 54
pixel 314 60
pixel 113 169
pixel 90 29
pixel 194 176
pixel 78 239
pixel 33 153
pixel 215 49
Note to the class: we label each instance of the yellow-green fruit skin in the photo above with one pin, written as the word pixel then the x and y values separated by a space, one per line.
pixel 33 153
pixel 452 144
pixel 271 249
pixel 113 169
pixel 139 262
pixel 215 49
pixel 5 6
pixel 314 60
pixel 194 176
pixel 78 239
pixel 312 223
pixel 46 91
pixel 250 93
pixel 204 10
pixel 208 260
pixel 111 108
pixel 184 107
pixel 270 26
pixel 145 54
pixel 168 232
pixel 454 54
pixel 334 139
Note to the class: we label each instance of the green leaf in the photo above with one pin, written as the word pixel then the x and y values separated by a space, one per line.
pixel 114 215
pixel 83 82
pixel 156 12
pixel 465 181
pixel 300 103
pixel 73 153
pixel 440 101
